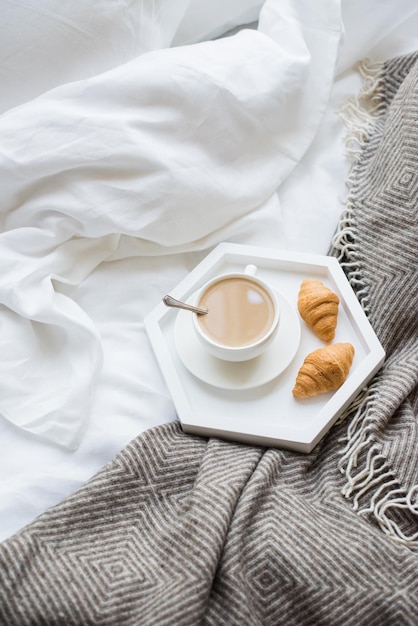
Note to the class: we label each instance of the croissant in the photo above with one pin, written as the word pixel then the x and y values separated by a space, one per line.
pixel 324 370
pixel 318 307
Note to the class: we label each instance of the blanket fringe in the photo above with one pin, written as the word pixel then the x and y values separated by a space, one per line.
pixel 370 482
pixel 373 480
pixel 359 112
pixel 343 244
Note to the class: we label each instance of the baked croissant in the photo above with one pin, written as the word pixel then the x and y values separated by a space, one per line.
pixel 324 370
pixel 318 307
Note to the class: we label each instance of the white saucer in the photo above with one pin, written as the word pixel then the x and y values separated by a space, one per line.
pixel 245 375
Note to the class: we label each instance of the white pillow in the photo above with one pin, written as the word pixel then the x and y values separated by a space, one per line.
pixel 45 43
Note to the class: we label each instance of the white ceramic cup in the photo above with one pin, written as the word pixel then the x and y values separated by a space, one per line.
pixel 243 315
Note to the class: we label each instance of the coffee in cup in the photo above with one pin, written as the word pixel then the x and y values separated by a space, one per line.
pixel 242 318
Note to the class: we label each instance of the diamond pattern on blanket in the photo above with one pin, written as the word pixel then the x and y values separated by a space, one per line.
pixel 230 535
pixel 378 250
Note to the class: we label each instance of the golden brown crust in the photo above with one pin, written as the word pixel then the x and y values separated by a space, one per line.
pixel 318 307
pixel 324 370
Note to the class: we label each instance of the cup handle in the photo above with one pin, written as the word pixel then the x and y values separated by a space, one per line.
pixel 250 270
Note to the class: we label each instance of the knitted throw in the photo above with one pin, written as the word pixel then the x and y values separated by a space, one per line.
pixel 181 530
pixel 377 245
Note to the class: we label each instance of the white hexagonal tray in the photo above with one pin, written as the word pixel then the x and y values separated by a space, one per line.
pixel 266 415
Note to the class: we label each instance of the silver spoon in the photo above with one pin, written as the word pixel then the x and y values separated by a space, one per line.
pixel 170 301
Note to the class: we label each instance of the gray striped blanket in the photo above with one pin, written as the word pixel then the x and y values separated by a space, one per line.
pixel 181 530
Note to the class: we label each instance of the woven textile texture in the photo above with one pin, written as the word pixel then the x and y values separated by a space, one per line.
pixel 377 245
pixel 181 530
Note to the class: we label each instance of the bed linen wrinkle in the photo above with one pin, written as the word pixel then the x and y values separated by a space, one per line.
pixel 250 122
pixel 36 55
pixel 207 145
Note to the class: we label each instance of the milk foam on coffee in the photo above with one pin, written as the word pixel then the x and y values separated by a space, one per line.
pixel 240 312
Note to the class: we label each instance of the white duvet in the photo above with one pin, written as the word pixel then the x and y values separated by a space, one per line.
pixel 121 168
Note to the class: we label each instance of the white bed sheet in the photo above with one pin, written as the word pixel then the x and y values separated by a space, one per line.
pixel 95 271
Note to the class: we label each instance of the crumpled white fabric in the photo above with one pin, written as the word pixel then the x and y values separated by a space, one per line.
pixel 165 152
pixel 47 43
